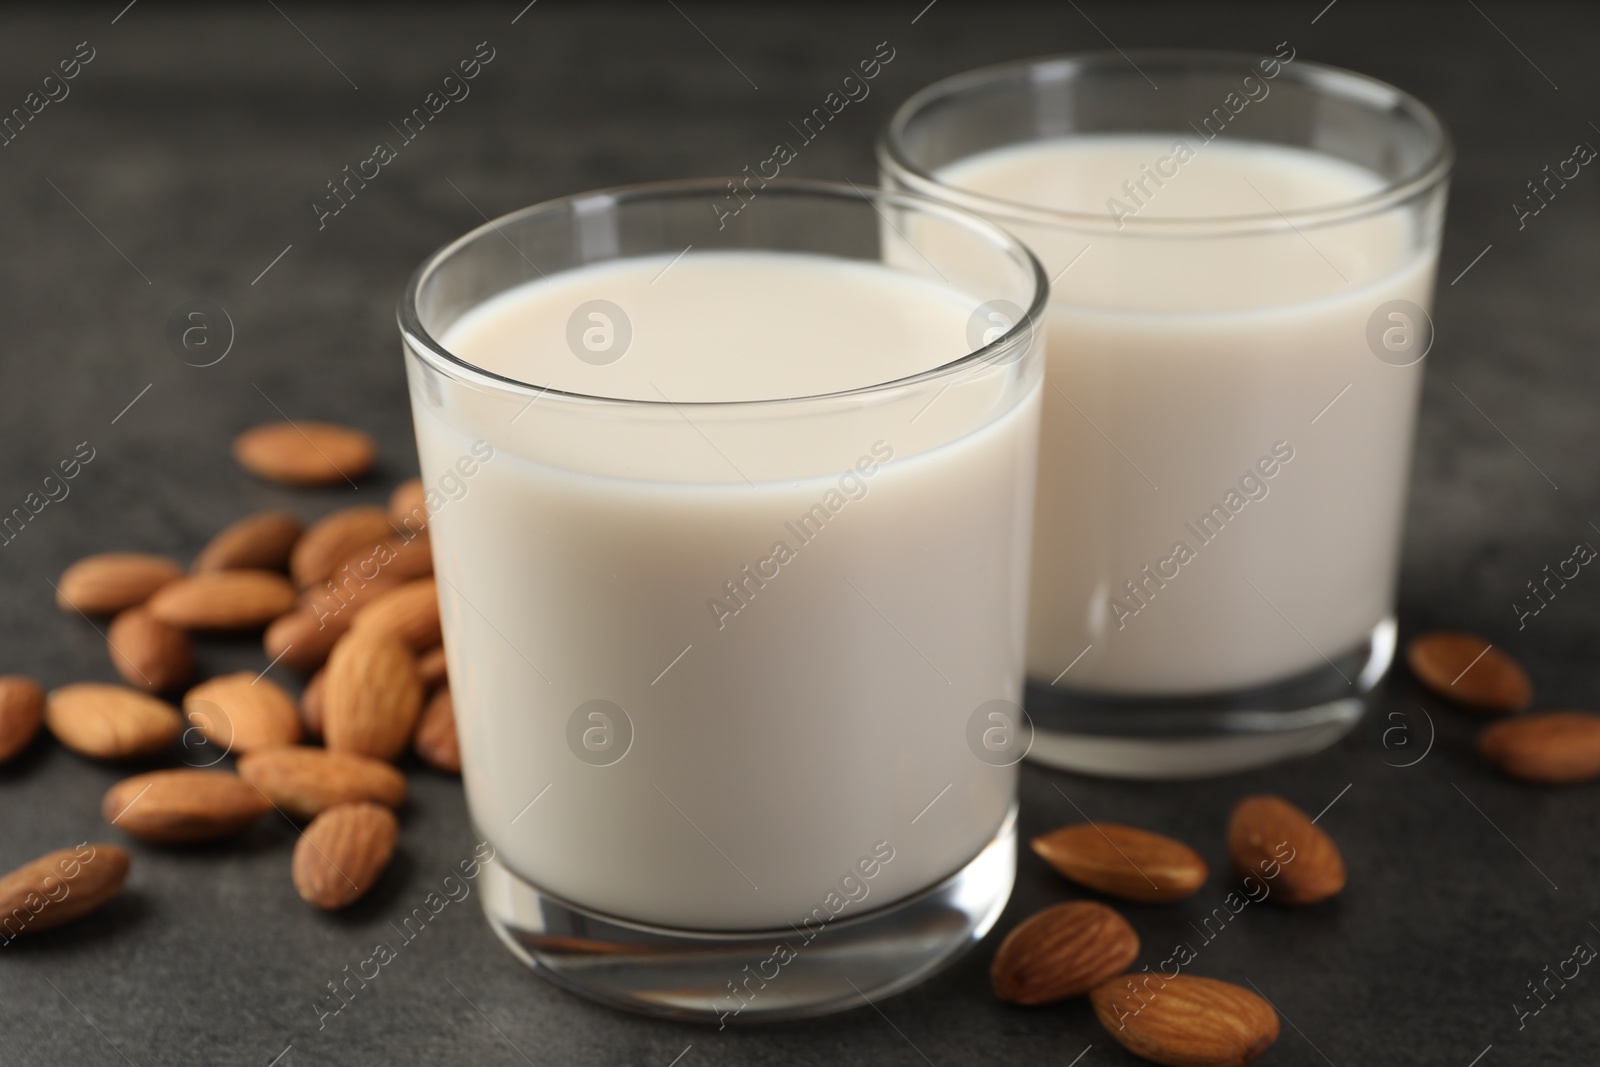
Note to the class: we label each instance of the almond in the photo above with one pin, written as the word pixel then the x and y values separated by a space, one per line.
pixel 182 807
pixel 302 639
pixel 21 715
pixel 400 558
pixel 408 505
pixel 435 743
pixel 108 583
pixel 111 722
pixel 1063 951
pixel 336 537
pixel 305 453
pixel 410 613
pixel 259 542
pixel 1272 839
pixel 1123 861
pixel 311 704
pixel 1469 671
pixel 372 696
pixel 432 669
pixel 1185 1021
pixel 148 653
pixel 224 600
pixel 1552 748
pixel 303 782
pixel 343 853
pixel 242 712
pixel 59 887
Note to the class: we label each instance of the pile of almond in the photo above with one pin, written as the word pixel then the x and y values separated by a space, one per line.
pixel 1085 948
pixel 1547 748
pixel 349 600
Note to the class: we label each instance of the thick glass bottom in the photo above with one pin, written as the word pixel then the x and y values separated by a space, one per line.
pixel 1219 733
pixel 808 969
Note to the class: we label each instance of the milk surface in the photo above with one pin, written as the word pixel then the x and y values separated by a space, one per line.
pixel 1177 364
pixel 797 613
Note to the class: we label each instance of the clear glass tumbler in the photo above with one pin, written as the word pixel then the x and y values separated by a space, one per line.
pixel 734 623
pixel 1242 252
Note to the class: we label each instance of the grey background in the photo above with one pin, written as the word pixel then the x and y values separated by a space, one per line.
pixel 195 141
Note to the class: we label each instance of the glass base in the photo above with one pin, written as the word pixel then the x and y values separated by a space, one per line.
pixel 1198 737
pixel 758 976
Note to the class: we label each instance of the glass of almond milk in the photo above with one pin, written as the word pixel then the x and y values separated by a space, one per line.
pixel 1242 252
pixel 734 587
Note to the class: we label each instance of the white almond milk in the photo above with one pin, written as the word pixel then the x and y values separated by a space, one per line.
pixel 790 707
pixel 1177 364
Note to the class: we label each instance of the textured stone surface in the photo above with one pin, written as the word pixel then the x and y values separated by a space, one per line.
pixel 195 141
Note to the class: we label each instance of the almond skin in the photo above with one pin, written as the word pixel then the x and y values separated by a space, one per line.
pixel 305 453
pixel 302 639
pixel 435 743
pixel 304 782
pixel 1457 667
pixel 113 581
pixel 400 558
pixel 21 715
pixel 1063 951
pixel 1123 861
pixel 149 654
pixel 259 542
pixel 111 722
pixel 1551 748
pixel 1267 834
pixel 311 704
pixel 371 697
pixel 1185 1021
pixel 224 600
pixel 336 537
pixel 410 612
pixel 432 669
pixel 408 505
pixel 241 712
pixel 183 807
pixel 59 887
pixel 343 853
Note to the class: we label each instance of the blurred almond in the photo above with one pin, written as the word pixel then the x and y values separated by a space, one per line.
pixel 371 697
pixel 259 542
pixel 1123 861
pixel 1469 671
pixel 400 558
pixel 303 782
pixel 1551 748
pixel 242 712
pixel 431 668
pixel 305 453
pixel 302 639
pixel 60 886
pixel 1185 1021
pixel 435 743
pixel 343 853
pixel 112 581
pixel 111 722
pixel 21 715
pixel 335 538
pixel 224 600
pixel 311 704
pixel 408 505
pixel 410 612
pixel 1063 951
pixel 149 654
pixel 1272 839
pixel 181 807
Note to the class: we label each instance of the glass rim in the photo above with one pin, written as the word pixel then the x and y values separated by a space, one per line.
pixel 1320 77
pixel 420 342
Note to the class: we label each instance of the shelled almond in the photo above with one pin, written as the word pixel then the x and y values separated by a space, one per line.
pixel 21 715
pixel 335 538
pixel 1186 1021
pixel 243 712
pixel 1063 951
pixel 111 722
pixel 261 541
pixel 343 853
pixel 60 887
pixel 305 453
pixel 432 669
pixel 1470 671
pixel 435 742
pixel 1268 836
pixel 303 782
pixel 113 581
pixel 371 696
pixel 1123 861
pixel 148 653
pixel 223 600
pixel 182 807
pixel 1550 748
pixel 409 612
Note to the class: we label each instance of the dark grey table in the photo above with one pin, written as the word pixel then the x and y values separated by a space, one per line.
pixel 184 163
